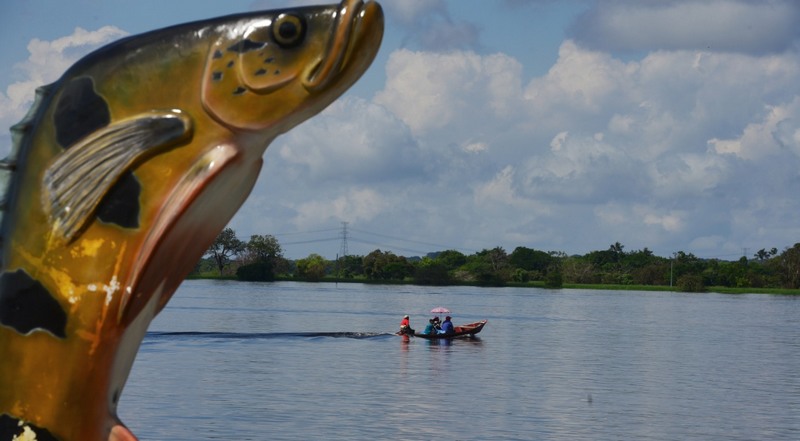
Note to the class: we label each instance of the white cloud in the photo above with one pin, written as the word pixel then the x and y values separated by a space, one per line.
pixel 581 168
pixel 581 80
pixel 778 130
pixel 667 150
pixel 357 205
pixel 430 91
pixel 475 147
pixel 558 141
pixel 352 141
pixel 672 221
pixel 626 156
pixel 498 194
pixel 47 62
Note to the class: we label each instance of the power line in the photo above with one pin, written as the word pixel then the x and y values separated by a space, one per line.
pixel 387 246
pixel 439 246
pixel 300 242
pixel 295 233
pixel 345 236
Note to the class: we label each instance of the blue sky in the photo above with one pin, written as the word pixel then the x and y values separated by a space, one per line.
pixel 556 125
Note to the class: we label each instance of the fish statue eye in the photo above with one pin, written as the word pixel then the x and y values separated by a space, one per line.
pixel 288 30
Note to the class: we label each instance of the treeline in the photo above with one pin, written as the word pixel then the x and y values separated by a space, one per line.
pixel 261 258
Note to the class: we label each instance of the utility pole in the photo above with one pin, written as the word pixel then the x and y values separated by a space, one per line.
pixel 343 246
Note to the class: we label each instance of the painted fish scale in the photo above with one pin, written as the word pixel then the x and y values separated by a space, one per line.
pixel 125 171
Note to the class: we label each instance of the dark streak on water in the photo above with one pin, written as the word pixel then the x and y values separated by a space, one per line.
pixel 197 335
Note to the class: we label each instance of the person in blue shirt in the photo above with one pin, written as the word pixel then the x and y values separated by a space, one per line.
pixel 430 328
pixel 447 326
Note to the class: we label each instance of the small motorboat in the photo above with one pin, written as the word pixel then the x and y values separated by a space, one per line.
pixel 462 331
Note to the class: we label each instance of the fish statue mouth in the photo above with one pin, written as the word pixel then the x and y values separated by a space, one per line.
pixel 355 21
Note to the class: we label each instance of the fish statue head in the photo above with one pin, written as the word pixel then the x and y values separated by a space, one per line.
pixel 289 57
pixel 123 173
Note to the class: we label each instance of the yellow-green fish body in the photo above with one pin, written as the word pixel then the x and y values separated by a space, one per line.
pixel 123 173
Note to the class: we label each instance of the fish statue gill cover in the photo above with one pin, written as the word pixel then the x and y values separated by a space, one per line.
pixel 123 173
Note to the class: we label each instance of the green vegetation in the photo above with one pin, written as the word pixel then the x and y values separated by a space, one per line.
pixel 261 259
pixel 312 268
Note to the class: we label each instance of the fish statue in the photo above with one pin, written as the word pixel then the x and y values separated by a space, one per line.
pixel 123 173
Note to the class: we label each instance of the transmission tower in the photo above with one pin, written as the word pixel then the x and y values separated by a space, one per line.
pixel 343 246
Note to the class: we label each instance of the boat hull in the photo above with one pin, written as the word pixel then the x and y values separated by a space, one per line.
pixel 462 331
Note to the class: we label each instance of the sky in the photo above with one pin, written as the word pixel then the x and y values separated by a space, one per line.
pixel 569 125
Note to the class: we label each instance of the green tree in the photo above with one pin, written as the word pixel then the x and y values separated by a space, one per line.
pixel 686 263
pixel 256 272
pixel 554 278
pixel 263 248
pixel 350 266
pixel 206 265
pixel 489 267
pixel 788 264
pixel 616 248
pixel 431 272
pixel 691 283
pixel 312 268
pixel 607 259
pixel 386 266
pixel 577 269
pixel 263 257
pixel 741 273
pixel 640 259
pixel 763 255
pixel 451 259
pixel 224 247
pixel 530 259
pixel 519 275
pixel 654 273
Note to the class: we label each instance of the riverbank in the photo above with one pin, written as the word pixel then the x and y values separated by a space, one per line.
pixel 541 285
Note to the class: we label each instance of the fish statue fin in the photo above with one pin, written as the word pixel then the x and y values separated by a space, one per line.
pixel 81 175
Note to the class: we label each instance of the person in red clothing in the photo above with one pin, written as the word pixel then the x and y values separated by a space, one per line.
pixel 405 326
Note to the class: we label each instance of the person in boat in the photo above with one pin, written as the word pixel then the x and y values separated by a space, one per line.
pixel 436 325
pixel 405 325
pixel 430 328
pixel 447 327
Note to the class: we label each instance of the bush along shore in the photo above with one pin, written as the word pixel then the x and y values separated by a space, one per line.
pixel 261 259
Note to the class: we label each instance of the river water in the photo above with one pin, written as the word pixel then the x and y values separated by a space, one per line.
pixel 297 361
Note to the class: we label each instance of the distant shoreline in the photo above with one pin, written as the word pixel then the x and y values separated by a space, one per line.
pixel 540 285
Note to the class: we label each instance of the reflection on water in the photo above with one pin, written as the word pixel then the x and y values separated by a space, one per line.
pixel 287 361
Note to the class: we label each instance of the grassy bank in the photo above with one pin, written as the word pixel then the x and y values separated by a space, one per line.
pixel 536 284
